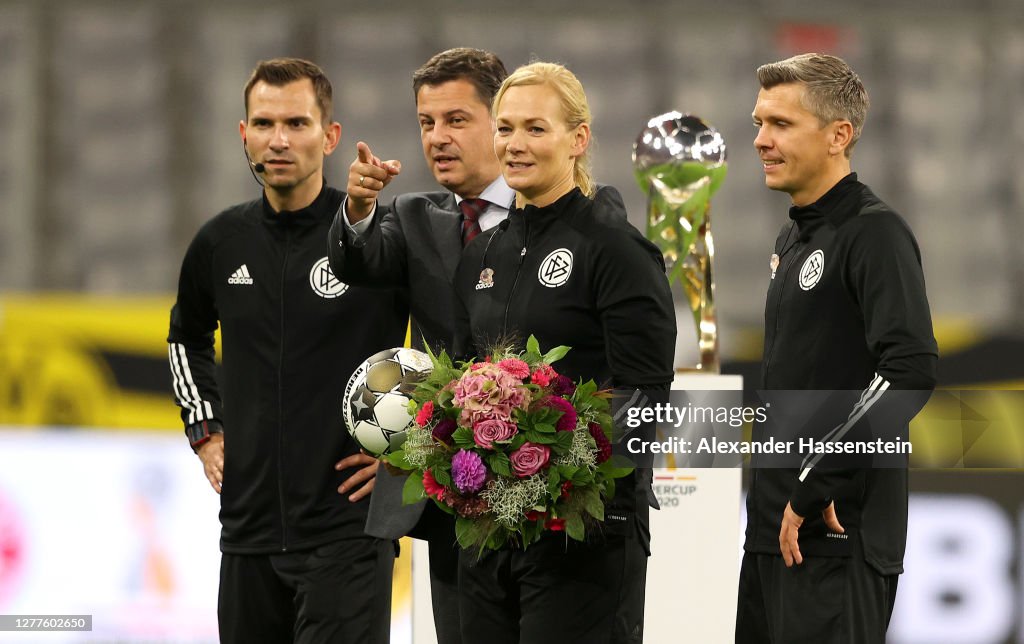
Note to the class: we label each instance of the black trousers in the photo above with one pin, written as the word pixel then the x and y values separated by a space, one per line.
pixel 339 592
pixel 824 600
pixel 557 591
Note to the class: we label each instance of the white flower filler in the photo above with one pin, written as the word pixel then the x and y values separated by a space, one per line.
pixel 509 499
pixel 419 444
pixel 582 452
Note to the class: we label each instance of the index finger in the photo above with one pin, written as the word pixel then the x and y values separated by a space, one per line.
pixel 363 153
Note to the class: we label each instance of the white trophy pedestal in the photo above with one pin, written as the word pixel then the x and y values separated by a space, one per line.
pixel 422 611
pixel 693 572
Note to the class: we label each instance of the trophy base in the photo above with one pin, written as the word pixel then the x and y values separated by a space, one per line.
pixel 699 370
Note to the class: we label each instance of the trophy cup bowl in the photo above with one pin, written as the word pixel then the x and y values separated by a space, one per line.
pixel 679 161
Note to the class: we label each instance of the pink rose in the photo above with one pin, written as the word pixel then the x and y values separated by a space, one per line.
pixel 529 459
pixel 424 414
pixel 516 367
pixel 487 432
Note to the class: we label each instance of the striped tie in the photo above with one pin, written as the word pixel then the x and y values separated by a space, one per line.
pixel 471 209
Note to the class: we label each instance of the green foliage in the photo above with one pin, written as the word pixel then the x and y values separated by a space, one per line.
pixel 574 526
pixel 592 502
pixel 412 491
pixel 616 467
pixel 397 458
pixel 539 438
pixel 499 463
pixel 463 438
pixel 442 476
pixel 555 354
pixel 532 345
pixel 564 441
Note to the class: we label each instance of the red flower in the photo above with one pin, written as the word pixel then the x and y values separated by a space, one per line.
pixel 567 422
pixel 424 414
pixel 432 487
pixel 565 489
pixel 604 446
pixel 556 525
pixel 534 515
pixel 443 431
pixel 563 385
pixel 543 375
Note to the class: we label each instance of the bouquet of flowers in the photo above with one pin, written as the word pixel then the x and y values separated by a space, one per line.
pixel 511 447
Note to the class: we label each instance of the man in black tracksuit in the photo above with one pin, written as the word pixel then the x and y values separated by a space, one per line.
pixel 846 312
pixel 296 564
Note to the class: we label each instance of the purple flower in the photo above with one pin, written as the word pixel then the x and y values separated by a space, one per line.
pixel 567 422
pixel 468 471
pixel 563 385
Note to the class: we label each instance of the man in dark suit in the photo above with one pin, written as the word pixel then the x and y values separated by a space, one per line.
pixel 415 242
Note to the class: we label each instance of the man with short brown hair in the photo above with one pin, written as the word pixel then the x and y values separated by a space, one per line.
pixel 296 563
pixel 846 315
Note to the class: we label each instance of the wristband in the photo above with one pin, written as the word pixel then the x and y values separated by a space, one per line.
pixel 199 433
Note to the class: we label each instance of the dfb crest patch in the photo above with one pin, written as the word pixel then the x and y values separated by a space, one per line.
pixel 810 272
pixel 556 268
pixel 323 281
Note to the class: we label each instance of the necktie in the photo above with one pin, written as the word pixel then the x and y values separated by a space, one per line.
pixel 471 209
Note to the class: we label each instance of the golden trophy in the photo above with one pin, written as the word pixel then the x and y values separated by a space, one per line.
pixel 679 161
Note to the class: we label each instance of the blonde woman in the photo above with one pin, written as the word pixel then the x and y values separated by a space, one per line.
pixel 570 271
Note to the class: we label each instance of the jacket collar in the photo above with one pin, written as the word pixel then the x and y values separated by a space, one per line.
pixel 309 214
pixel 565 203
pixel 827 208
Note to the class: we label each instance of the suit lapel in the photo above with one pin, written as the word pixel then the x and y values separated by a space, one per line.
pixel 446 222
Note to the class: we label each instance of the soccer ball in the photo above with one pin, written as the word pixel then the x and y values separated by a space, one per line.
pixel 376 402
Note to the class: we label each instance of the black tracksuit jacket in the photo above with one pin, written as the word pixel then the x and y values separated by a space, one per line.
pixel 573 273
pixel 846 312
pixel 292 335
